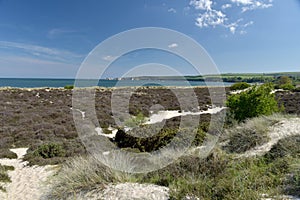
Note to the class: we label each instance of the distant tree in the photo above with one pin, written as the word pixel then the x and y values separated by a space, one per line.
pixel 256 101
pixel 239 86
pixel 284 80
pixel 286 83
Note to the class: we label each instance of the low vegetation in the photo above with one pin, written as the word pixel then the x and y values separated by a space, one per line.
pixel 81 174
pixel 248 77
pixel 292 180
pixel 6 153
pixel 287 147
pixel 51 136
pixel 248 134
pixel 49 150
pixel 135 121
pixel 148 138
pixel 4 178
pixel 52 153
pixel 219 176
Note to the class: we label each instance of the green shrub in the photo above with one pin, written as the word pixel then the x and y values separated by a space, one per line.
pixel 282 80
pixel 287 86
pixel 252 103
pixel 49 150
pixel 136 120
pixel 69 87
pixel 297 89
pixel 239 86
pixel 4 178
pixel 285 82
pixel 3 174
pixel 131 139
pixel 199 137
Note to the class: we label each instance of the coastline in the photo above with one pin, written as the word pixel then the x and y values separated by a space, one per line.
pixel 111 88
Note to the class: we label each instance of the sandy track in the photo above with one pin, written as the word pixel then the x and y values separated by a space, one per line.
pixel 285 128
pixel 28 183
pixel 127 191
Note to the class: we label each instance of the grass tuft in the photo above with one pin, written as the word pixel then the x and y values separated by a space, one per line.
pixel 81 174
pixel 289 146
pixel 4 178
pixel 249 134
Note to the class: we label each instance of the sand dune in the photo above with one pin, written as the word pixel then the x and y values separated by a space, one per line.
pixel 28 183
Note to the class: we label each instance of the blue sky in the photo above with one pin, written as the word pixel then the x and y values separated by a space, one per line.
pixel 52 38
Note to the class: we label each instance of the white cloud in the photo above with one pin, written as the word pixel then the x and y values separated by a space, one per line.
pixel 211 18
pixel 253 4
pixel 244 2
pixel 109 58
pixel 186 10
pixel 173 45
pixel 44 52
pixel 172 10
pixel 59 32
pixel 225 6
pixel 211 14
pixel 201 4
pixel 257 5
pixel 248 24
pixel 232 29
pixel 243 32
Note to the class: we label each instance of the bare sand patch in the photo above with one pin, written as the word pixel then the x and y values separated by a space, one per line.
pixel 27 183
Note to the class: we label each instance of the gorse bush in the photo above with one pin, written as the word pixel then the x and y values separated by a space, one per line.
pixel 49 150
pixel 69 87
pixel 254 102
pixel 240 86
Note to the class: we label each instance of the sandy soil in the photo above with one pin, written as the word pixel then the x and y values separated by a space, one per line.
pixel 168 114
pixel 285 128
pixel 129 191
pixel 28 183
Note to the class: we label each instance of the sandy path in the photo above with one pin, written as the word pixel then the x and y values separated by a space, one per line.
pixel 127 191
pixel 168 114
pixel 27 182
pixel 285 128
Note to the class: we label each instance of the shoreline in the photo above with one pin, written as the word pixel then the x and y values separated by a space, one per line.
pixel 111 88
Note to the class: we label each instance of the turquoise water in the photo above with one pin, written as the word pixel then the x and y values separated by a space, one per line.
pixel 33 83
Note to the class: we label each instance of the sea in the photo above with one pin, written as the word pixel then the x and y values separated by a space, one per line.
pixel 57 83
